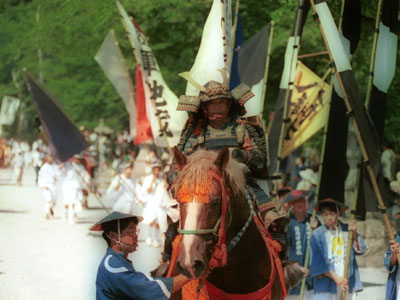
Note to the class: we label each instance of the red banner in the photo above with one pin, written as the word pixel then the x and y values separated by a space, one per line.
pixel 143 128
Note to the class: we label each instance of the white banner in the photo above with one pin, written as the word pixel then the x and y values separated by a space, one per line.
pixel 210 57
pixel 9 107
pixel 161 102
pixel 110 59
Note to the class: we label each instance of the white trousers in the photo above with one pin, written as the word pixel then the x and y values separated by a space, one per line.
pixel 50 200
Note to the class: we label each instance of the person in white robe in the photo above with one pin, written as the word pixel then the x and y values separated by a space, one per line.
pixel 74 178
pixel 47 178
pixel 124 190
pixel 18 164
pixel 154 212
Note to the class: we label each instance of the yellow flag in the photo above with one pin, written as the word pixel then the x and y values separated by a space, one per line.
pixel 308 110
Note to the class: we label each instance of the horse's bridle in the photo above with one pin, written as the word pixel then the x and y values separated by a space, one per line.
pixel 214 230
pixel 219 254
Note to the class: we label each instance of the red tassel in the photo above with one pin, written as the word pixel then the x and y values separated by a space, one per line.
pixel 213 263
pixel 224 254
pixel 219 257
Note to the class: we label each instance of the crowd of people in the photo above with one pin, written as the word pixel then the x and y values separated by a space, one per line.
pixel 69 183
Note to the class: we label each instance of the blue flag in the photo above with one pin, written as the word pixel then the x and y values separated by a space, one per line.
pixel 235 77
pixel 64 138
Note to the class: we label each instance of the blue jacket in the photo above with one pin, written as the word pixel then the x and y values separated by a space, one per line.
pixel 298 234
pixel 117 279
pixel 321 264
pixel 391 292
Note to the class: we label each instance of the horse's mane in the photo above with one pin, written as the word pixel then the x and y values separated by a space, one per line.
pixel 197 170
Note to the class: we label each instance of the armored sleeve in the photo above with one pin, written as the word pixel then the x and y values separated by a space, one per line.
pixel 256 152
pixel 186 133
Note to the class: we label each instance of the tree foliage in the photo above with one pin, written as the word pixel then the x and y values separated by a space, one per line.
pixel 69 33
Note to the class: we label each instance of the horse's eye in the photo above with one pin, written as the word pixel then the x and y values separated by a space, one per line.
pixel 215 202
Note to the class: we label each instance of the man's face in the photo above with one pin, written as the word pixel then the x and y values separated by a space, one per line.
pixel 299 206
pixel 217 108
pixel 156 171
pixel 50 159
pixel 128 172
pixel 130 236
pixel 330 217
pixel 298 161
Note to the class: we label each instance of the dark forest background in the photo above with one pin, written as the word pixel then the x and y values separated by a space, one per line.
pixel 68 33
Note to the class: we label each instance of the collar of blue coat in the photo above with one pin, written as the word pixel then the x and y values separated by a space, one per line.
pixel 115 262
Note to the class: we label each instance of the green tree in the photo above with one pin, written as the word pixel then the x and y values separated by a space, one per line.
pixel 69 33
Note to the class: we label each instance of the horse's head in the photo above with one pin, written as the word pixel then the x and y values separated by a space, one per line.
pixel 202 192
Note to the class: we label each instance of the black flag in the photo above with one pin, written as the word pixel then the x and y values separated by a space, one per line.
pixel 356 110
pixel 334 166
pixel 385 61
pixel 65 139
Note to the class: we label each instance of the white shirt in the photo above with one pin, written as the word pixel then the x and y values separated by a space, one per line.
pixel 48 175
pixel 337 241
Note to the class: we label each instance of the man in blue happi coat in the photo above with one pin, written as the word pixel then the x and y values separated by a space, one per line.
pixel 300 226
pixel 116 276
pixel 328 254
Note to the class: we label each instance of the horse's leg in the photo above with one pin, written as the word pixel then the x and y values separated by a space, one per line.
pixel 276 290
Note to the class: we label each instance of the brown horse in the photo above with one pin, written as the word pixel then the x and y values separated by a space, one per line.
pixel 220 230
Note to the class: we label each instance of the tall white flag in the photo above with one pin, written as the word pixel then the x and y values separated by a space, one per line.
pixel 110 59
pixel 210 57
pixel 166 122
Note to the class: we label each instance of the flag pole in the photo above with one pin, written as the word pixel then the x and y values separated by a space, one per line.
pixel 373 55
pixel 267 62
pixel 235 23
pixel 233 34
pixel 366 103
pixel 296 46
pixel 381 204
pixel 350 242
pixel 138 61
pixel 307 257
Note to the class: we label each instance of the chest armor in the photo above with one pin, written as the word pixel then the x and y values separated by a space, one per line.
pixel 216 139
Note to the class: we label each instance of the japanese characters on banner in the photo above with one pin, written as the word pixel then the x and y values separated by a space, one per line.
pixel 308 110
pixel 9 108
pixel 166 122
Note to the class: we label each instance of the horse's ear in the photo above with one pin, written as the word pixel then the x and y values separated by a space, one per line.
pixel 180 158
pixel 222 159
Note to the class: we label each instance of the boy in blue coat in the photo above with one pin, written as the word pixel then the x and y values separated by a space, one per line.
pixel 301 224
pixel 116 276
pixel 328 254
